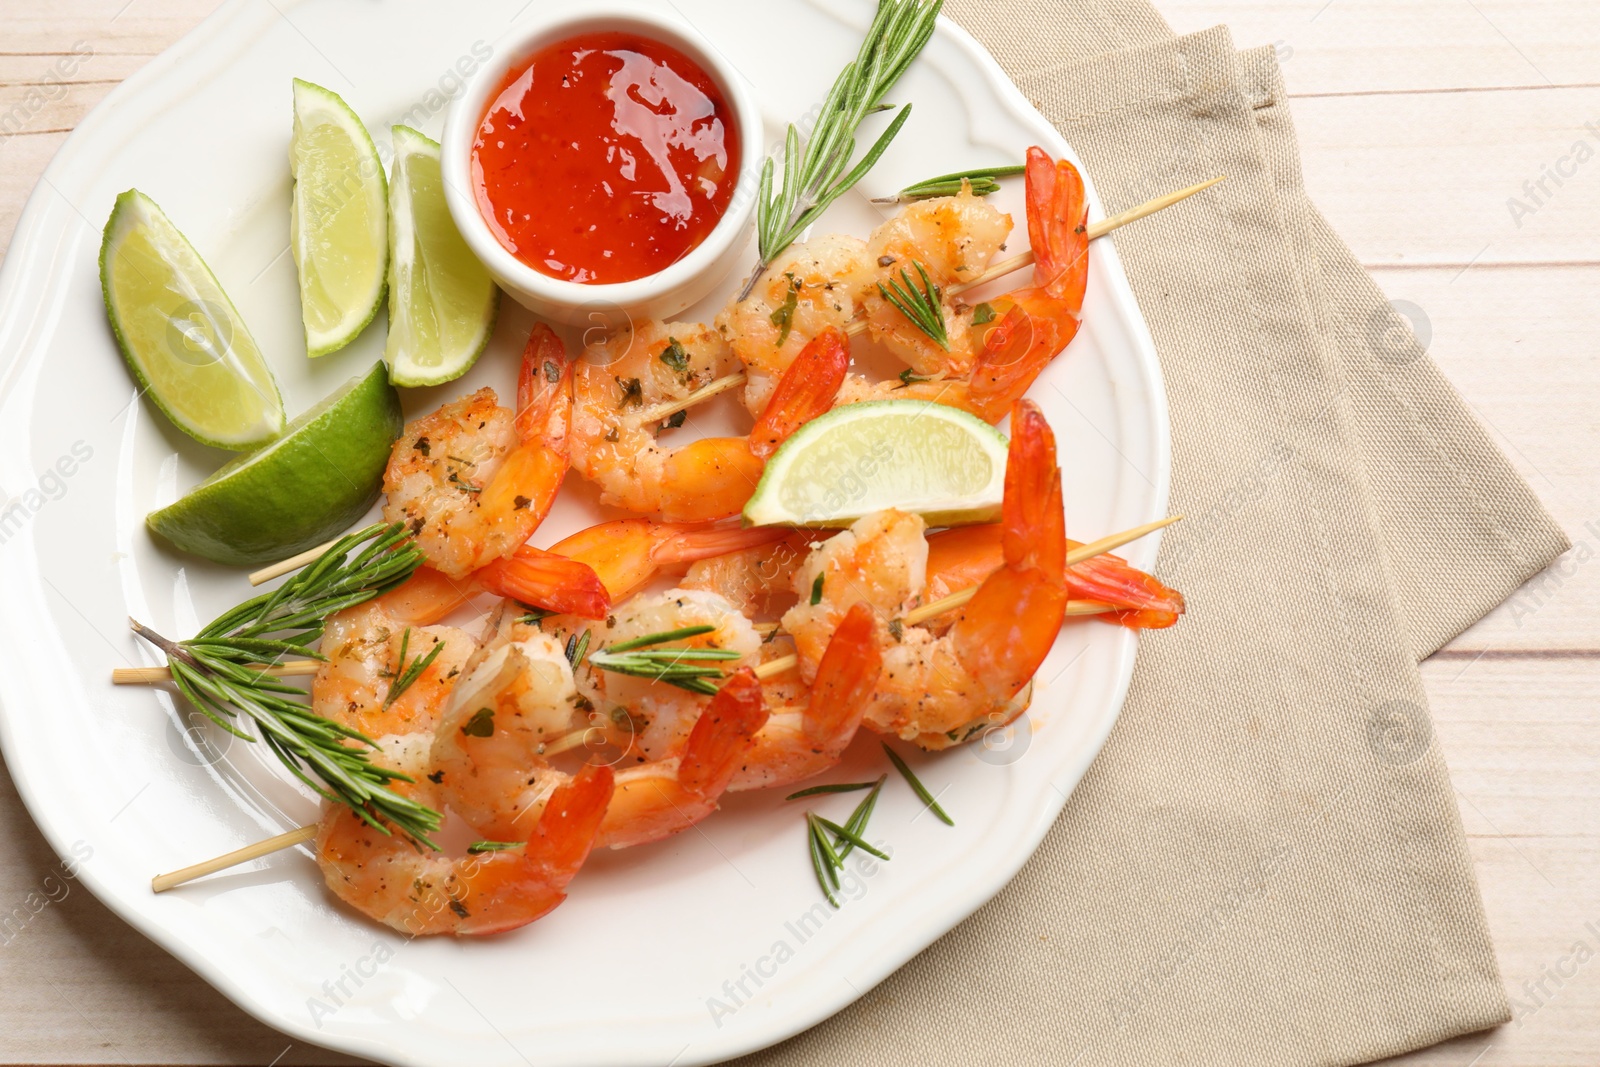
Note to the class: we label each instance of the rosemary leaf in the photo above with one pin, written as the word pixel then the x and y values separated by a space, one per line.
pixel 917 787
pixel 857 823
pixel 819 862
pixel 410 673
pixel 851 837
pixel 982 181
pixel 662 638
pixel 783 317
pixel 478 847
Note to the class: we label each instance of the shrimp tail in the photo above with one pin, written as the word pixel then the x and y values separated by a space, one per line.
pixel 506 890
pixel 1108 579
pixel 519 496
pixel 1058 227
pixel 846 676
pixel 722 734
pixel 1040 321
pixel 688 543
pixel 571 818
pixel 708 479
pixel 1032 520
pixel 806 389
pixel 549 581
pixel 656 801
pixel 1004 634
pixel 544 390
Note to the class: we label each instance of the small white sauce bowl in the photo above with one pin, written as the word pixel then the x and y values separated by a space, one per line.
pixel 662 294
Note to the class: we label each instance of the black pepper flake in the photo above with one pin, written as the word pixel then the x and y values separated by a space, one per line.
pixel 423 446
pixel 885 261
pixel 520 502
pixel 459 908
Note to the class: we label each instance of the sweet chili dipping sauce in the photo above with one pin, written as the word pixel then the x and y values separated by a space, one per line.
pixel 606 157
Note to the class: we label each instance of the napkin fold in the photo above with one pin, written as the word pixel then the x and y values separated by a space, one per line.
pixel 1265 865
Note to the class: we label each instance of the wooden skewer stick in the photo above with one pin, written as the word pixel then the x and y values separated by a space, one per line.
pixel 858 325
pixel 294 668
pixel 161 883
pixel 293 563
pixel 298 836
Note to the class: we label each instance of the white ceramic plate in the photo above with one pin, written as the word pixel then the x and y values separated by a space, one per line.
pixel 702 947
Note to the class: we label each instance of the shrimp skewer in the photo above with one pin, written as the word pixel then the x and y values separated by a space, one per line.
pixel 615 444
pixel 934 688
pixel 473 480
pixel 774 358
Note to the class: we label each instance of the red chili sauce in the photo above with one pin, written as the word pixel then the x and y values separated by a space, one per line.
pixel 605 158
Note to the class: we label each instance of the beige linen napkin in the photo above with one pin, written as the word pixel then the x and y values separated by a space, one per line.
pixel 1265 865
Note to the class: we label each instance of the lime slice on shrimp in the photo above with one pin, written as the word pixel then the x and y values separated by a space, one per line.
pixel 182 337
pixel 338 219
pixel 915 455
pixel 309 485
pixel 442 301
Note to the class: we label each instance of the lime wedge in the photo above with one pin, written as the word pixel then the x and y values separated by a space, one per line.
pixel 181 335
pixel 915 455
pixel 338 219
pixel 308 486
pixel 442 301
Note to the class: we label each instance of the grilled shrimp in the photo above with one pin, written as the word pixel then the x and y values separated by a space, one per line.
pixel 397 882
pixel 473 480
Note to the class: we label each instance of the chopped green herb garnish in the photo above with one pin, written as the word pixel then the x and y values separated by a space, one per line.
pixel 982 313
pixel 816 591
pixel 783 317
pixel 493 846
pixel 481 724
pixel 675 357
pixel 632 393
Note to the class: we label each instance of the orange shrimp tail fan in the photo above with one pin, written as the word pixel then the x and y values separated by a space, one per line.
pixel 549 581
pixel 1058 227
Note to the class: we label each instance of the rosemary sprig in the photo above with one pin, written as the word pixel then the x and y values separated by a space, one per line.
pixel 917 787
pixel 409 673
pixel 828 853
pixel 682 666
pixel 214 671
pixel 982 181
pixel 815 179
pixel 924 306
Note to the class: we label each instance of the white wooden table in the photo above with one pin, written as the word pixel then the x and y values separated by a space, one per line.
pixel 1420 121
